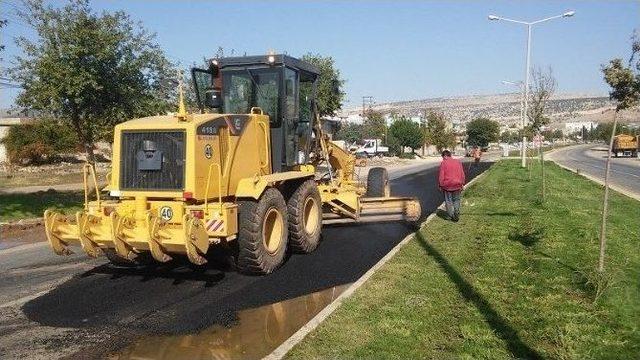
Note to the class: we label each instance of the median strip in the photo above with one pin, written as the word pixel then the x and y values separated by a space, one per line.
pixel 514 278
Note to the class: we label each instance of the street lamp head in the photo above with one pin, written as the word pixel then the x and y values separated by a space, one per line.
pixel 493 17
pixel 568 13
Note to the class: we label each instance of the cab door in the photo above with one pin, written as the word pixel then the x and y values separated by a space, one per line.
pixel 291 118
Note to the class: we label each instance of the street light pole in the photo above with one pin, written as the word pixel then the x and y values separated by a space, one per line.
pixel 527 68
pixel 523 148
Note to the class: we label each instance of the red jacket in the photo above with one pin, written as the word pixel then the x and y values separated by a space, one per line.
pixel 451 176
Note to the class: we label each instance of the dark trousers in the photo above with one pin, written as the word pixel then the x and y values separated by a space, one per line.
pixel 452 202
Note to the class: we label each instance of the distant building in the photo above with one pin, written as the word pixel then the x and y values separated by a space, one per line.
pixel 571 127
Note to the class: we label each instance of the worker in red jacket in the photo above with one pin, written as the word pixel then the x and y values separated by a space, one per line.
pixel 451 181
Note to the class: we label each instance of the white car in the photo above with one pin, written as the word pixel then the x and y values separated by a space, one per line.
pixel 373 147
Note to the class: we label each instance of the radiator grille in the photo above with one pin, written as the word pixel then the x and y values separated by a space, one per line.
pixel 169 176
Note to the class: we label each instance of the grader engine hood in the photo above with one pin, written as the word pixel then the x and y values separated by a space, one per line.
pixel 166 157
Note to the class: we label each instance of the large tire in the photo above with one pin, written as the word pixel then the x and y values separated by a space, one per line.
pixel 305 218
pixel 378 182
pixel 263 233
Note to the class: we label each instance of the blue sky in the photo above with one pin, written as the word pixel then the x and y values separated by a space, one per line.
pixel 394 50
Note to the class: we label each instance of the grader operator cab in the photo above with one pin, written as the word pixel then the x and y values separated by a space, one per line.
pixel 252 170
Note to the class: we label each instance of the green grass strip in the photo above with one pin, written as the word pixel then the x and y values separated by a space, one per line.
pixel 515 278
pixel 25 206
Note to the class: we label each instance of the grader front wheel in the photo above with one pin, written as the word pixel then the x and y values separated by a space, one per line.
pixel 378 183
pixel 262 238
pixel 305 218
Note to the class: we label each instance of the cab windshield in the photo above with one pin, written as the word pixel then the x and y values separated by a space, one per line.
pixel 244 89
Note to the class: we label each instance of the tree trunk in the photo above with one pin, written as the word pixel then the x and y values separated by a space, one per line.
pixel 86 139
pixel 542 164
pixel 605 201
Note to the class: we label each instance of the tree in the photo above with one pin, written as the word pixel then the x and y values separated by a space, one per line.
pixel 375 125
pixel 406 132
pixel 544 85
pixel 625 89
pixel 510 137
pixel 350 132
pixel 482 131
pixel 437 132
pixel 329 101
pixel 90 70
pixel 3 23
pixel 542 88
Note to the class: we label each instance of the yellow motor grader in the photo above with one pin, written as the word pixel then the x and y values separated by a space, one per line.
pixel 253 169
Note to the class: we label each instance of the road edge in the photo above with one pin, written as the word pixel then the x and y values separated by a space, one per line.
pixel 614 187
pixel 320 317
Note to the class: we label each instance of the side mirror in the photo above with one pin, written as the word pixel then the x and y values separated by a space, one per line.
pixel 213 98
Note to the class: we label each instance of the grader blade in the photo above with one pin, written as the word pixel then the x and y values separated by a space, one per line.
pixel 380 210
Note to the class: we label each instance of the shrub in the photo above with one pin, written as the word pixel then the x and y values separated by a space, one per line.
pixel 38 142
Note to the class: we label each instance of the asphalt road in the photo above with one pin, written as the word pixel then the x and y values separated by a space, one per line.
pixel 625 171
pixel 55 306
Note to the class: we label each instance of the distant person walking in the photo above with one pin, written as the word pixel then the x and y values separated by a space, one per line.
pixel 476 153
pixel 451 181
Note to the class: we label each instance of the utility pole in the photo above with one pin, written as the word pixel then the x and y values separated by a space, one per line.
pixel 367 101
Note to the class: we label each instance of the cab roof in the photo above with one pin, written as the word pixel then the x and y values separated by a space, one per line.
pixel 263 60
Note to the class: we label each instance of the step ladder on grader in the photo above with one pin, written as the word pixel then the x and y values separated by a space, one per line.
pixel 253 170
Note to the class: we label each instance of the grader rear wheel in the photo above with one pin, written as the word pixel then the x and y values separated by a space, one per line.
pixel 263 233
pixel 305 218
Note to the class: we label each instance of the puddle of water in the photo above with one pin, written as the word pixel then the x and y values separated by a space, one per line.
pixel 256 334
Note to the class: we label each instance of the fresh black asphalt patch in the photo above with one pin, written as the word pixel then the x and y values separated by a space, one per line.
pixel 176 298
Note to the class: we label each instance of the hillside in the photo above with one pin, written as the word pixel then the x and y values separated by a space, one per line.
pixel 504 108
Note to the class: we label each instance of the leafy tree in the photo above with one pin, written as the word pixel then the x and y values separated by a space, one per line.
pixel 38 142
pixel 510 136
pixel 544 85
pixel 375 125
pixel 328 100
pixel 437 132
pixel 90 70
pixel 625 89
pixel 407 133
pixel 350 132
pixel 482 131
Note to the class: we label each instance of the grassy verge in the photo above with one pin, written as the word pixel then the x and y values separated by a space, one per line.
pixel 534 152
pixel 513 279
pixel 32 205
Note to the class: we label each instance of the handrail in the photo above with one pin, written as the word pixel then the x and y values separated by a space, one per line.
pixel 85 169
pixel 206 192
pixel 266 145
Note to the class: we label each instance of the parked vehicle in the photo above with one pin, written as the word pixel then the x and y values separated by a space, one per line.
pixel 373 147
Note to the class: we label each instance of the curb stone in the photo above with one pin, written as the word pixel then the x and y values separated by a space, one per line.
pixel 299 335
pixel 614 187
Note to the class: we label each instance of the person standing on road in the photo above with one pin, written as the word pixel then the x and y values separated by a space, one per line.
pixel 451 181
